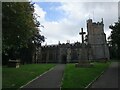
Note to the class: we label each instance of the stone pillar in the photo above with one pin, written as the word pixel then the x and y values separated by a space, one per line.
pixel 39 55
pixel 47 57
pixel 59 56
pixel 68 55
pixel 83 55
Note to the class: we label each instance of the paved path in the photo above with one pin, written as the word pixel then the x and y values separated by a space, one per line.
pixel 51 79
pixel 109 79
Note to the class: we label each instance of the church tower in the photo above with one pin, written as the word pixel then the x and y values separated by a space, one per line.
pixel 97 40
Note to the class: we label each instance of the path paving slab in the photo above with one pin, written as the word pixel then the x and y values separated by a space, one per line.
pixel 109 79
pixel 51 79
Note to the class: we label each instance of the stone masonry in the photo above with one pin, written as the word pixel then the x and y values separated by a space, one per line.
pixel 95 47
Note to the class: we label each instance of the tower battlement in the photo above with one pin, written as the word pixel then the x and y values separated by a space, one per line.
pixel 97 39
pixel 63 45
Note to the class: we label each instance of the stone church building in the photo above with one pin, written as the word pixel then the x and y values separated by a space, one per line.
pixel 95 47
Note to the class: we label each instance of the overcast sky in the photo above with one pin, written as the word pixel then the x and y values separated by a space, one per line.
pixel 62 20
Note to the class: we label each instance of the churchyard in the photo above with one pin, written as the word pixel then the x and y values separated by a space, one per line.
pixel 73 77
pixel 16 77
pixel 29 64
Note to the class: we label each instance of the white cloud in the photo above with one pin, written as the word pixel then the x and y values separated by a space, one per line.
pixel 40 12
pixel 72 0
pixel 76 15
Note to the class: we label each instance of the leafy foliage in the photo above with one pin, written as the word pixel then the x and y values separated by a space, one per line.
pixel 114 40
pixel 20 26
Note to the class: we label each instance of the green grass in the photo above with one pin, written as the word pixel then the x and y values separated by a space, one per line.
pixel 115 60
pixel 0 76
pixel 16 77
pixel 80 77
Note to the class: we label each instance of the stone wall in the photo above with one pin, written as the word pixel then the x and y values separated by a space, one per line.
pixel 97 40
pixel 61 53
pixel 95 49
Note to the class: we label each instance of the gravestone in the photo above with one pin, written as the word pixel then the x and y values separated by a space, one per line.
pixel 14 63
pixel 83 58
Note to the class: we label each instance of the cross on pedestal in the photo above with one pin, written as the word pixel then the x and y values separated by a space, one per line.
pixel 83 54
pixel 82 34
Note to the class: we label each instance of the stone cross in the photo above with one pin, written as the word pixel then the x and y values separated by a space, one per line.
pixel 83 55
pixel 82 34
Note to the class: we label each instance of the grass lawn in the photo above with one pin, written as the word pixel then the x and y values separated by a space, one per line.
pixel 81 77
pixel 16 77
pixel 0 76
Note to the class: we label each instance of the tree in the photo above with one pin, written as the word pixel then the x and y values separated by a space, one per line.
pixel 19 26
pixel 114 40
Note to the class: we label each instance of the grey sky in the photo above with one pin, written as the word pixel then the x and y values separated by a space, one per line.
pixel 68 27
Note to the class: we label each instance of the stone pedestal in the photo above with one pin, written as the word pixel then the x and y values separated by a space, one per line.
pixel 83 58
pixel 14 63
pixel 84 64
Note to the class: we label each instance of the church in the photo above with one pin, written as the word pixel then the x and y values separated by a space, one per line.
pixel 95 47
